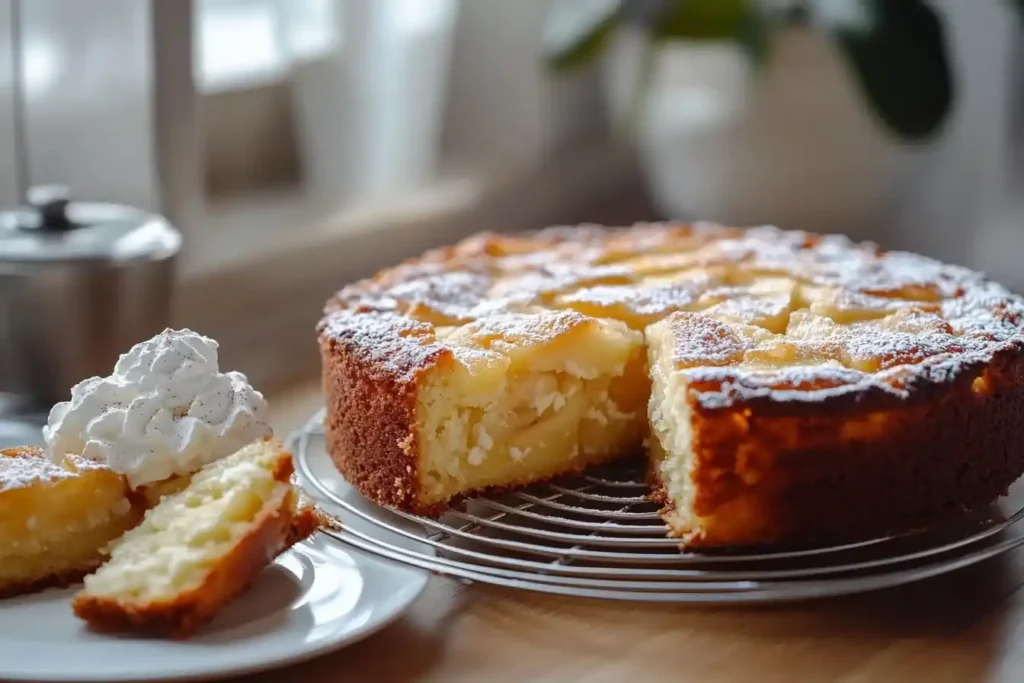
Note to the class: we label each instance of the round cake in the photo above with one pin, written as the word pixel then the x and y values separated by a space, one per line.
pixel 784 386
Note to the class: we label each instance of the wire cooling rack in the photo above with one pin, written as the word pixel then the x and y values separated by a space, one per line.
pixel 598 536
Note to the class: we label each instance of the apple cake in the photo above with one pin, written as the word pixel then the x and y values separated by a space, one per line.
pixel 784 386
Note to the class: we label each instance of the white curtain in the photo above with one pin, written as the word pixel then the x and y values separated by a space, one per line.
pixel 9 172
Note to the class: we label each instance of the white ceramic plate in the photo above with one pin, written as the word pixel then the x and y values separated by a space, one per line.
pixel 317 597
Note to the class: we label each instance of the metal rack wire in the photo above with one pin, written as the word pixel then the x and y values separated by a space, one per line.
pixel 597 536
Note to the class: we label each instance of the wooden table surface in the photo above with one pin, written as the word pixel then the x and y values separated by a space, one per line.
pixel 967 626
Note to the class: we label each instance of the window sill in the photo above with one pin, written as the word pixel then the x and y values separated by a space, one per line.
pixel 258 226
pixel 258 287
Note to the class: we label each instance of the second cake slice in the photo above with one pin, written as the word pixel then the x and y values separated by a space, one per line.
pixel 200 547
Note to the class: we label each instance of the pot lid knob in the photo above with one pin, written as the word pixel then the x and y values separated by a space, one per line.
pixel 51 202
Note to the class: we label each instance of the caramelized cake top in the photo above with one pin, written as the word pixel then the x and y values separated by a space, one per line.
pixel 787 316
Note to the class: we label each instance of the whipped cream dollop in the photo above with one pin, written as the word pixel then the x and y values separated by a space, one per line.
pixel 166 410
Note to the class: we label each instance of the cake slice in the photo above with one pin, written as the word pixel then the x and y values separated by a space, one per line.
pixel 56 519
pixel 200 547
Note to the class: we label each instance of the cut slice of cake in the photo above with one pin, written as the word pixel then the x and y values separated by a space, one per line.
pixel 56 519
pixel 427 416
pixel 199 547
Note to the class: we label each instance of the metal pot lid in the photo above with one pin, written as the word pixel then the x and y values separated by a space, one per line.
pixel 54 229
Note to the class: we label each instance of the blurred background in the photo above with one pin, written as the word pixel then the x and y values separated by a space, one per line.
pixel 301 144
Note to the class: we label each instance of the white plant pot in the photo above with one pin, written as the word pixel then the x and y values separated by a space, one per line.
pixel 793 146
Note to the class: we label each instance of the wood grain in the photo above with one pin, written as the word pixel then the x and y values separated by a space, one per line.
pixel 967 626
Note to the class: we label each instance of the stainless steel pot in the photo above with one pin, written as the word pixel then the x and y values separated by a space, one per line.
pixel 80 283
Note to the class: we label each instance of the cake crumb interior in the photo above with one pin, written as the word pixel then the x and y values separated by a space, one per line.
pixel 528 405
pixel 189 532
pixel 671 440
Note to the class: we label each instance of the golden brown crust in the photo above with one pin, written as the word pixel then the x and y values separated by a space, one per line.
pixel 307 520
pixel 309 516
pixel 762 477
pixel 371 411
pixel 181 617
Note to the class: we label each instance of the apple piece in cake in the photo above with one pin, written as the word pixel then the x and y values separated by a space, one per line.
pixel 56 519
pixel 798 386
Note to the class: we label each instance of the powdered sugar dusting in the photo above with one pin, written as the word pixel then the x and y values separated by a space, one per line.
pixel 658 300
pixel 22 468
pixel 508 330
pixel 703 341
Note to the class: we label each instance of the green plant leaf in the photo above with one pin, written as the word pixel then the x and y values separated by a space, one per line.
pixel 754 37
pixel 702 19
pixel 1018 5
pixel 577 31
pixel 897 51
pixel 735 20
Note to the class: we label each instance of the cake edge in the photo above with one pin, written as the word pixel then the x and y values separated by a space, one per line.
pixel 371 410
pixel 794 503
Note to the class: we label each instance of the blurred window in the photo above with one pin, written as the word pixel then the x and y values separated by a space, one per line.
pixel 241 43
pixel 274 117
